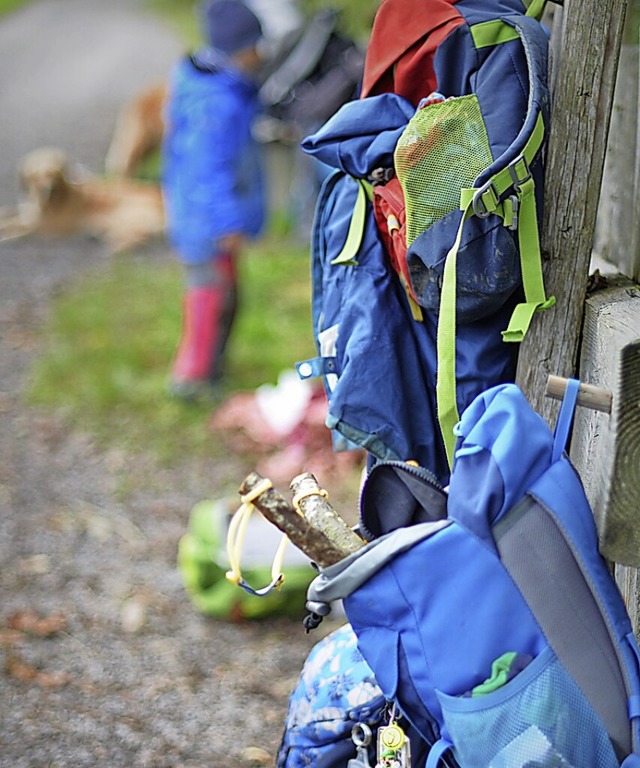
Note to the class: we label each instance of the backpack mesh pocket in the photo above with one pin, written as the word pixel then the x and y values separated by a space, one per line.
pixel 442 150
pixel 539 718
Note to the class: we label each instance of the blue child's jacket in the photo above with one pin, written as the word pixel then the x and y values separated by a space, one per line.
pixel 212 177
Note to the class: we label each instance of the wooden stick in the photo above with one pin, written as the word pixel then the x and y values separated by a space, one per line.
pixel 312 502
pixel 278 511
pixel 588 396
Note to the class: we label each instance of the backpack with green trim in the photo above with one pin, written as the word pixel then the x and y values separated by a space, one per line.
pixel 444 153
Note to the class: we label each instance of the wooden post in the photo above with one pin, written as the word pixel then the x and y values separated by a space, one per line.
pixel 617 230
pixel 591 35
pixel 605 449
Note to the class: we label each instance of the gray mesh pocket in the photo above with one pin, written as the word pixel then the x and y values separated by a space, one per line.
pixel 539 718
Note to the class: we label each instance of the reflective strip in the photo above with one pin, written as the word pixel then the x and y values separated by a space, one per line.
pixel 316 366
pixel 447 407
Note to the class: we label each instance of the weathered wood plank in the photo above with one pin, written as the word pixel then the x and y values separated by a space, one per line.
pixel 582 100
pixel 617 228
pixel 628 580
pixel 606 448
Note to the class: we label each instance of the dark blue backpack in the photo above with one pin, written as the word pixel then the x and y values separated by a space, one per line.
pixel 487 613
pixel 411 319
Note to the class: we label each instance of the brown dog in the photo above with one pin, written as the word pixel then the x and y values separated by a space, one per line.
pixel 60 201
pixel 138 131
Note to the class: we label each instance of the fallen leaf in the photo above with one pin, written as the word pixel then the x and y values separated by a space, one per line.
pixel 31 624
pixel 28 673
pixel 256 756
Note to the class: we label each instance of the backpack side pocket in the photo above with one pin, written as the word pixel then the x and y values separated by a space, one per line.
pixel 539 717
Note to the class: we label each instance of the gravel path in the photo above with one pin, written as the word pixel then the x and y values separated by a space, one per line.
pixel 117 669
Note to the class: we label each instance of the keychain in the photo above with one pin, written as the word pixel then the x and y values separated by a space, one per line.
pixel 361 736
pixel 394 748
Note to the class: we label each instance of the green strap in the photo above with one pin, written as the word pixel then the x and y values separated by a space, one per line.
pixel 530 265
pixel 528 240
pixel 536 8
pixel 347 256
pixel 496 31
pixel 492 32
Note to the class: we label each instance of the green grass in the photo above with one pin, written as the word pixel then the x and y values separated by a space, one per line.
pixel 6 6
pixel 108 347
pixel 181 15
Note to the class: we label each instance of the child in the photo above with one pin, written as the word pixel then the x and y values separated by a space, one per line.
pixel 212 183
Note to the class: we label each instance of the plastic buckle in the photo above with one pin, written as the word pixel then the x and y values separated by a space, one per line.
pixel 478 204
pixel 513 172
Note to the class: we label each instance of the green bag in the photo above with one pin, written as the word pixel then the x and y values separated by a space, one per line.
pixel 203 564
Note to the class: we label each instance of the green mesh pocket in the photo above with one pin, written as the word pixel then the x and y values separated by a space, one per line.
pixel 442 150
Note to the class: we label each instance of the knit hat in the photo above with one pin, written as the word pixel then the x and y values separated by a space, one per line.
pixel 230 25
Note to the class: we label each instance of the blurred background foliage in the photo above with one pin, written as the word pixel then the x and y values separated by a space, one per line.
pixel 356 16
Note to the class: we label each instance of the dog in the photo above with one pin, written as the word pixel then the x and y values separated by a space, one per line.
pixel 60 200
pixel 138 131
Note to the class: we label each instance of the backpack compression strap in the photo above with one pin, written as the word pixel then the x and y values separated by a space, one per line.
pixel 518 211
pixel 347 256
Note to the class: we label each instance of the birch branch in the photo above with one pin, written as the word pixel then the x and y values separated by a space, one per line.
pixel 312 502
pixel 278 511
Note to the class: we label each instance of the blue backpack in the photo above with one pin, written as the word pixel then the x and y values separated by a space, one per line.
pixel 425 253
pixel 336 709
pixel 487 612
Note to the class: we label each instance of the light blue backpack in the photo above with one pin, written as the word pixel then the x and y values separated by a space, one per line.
pixel 487 612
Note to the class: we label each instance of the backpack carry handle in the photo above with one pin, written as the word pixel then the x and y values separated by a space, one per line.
pixel 565 418
pixel 590 396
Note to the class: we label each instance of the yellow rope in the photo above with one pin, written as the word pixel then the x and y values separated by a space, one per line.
pixel 305 494
pixel 237 532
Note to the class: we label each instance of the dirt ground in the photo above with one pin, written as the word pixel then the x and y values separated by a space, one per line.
pixel 103 660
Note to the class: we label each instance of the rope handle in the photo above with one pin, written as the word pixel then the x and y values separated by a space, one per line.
pixel 236 534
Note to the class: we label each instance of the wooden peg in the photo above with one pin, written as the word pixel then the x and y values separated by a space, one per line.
pixel 588 396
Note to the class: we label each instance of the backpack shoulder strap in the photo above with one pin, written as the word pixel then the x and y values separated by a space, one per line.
pixel 509 173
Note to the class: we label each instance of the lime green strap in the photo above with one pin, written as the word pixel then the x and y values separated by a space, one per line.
pixel 497 31
pixel 536 8
pixel 494 32
pixel 347 256
pixel 487 200
pixel 483 202
pixel 530 265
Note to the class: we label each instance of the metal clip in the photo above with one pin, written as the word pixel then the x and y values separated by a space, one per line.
pixel 478 204
pixel 517 180
pixel 361 736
